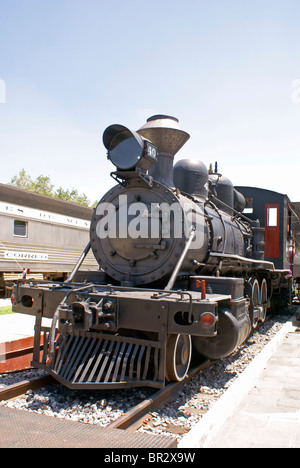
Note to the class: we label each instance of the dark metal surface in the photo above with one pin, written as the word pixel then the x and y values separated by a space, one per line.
pixel 168 136
pixel 191 176
pixel 142 261
pixel 23 429
pixel 103 361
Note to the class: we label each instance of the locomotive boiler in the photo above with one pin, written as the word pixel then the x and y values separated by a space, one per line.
pixel 181 271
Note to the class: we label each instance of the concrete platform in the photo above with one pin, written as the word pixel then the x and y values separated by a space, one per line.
pixel 269 415
pixel 262 408
pixel 17 326
pixel 5 302
pixel 16 341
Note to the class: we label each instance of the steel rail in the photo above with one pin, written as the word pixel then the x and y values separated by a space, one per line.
pixel 135 417
pixel 17 353
pixel 17 389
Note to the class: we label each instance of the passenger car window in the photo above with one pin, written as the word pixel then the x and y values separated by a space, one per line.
pixel 20 228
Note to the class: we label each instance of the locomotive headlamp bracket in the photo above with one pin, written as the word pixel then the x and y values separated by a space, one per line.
pixel 122 176
pixel 127 150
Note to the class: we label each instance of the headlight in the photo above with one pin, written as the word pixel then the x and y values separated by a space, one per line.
pixel 127 149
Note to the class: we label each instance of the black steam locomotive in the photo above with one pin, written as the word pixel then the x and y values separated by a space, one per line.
pixel 182 271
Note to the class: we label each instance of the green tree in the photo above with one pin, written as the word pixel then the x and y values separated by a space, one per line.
pixel 22 181
pixel 42 185
pixel 72 196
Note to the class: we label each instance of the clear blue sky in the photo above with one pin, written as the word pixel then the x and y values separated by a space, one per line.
pixel 225 68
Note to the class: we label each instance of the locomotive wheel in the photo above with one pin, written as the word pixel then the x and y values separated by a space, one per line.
pixel 263 299
pixel 254 295
pixel 179 353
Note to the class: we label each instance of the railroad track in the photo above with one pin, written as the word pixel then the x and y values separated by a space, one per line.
pixel 18 389
pixel 135 417
pixel 144 414
pixel 132 419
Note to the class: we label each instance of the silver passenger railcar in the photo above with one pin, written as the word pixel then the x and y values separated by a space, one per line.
pixel 40 234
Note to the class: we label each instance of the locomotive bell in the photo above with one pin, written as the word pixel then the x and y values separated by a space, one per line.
pixel 128 150
pixel 167 135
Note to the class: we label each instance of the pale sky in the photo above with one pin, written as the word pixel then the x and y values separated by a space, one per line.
pixel 229 70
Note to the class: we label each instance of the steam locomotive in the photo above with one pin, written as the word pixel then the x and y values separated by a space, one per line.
pixel 182 271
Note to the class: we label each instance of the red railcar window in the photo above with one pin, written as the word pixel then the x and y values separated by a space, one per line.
pixel 272 215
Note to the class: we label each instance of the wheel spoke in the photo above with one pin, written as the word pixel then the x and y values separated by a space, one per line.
pixel 255 300
pixel 179 352
pixel 264 299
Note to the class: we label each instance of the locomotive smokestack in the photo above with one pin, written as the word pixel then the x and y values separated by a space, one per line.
pixel 167 135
